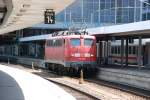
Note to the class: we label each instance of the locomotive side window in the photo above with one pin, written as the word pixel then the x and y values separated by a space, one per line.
pixel 75 42
pixel 49 43
pixel 88 42
pixel 54 43
pixel 59 43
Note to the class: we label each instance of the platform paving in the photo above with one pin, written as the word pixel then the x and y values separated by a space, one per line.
pixel 16 84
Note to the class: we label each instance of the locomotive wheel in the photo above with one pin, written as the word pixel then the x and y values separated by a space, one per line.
pixel 53 68
pixel 75 72
pixel 64 71
pixel 71 72
pixel 60 70
pixel 57 69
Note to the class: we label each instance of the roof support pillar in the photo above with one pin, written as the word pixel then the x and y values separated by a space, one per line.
pixel 140 52
pixel 122 51
pixel 126 53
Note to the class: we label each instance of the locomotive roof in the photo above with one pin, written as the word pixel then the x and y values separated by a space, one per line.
pixel 49 36
pixel 71 36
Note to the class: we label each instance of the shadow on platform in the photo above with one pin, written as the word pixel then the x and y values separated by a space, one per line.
pixel 9 88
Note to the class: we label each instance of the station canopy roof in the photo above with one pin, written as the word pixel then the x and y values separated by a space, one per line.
pixel 136 28
pixel 19 14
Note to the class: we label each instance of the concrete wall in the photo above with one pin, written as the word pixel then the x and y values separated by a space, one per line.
pixel 136 78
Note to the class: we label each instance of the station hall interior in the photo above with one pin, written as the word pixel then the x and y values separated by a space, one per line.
pixel 102 18
pixel 116 41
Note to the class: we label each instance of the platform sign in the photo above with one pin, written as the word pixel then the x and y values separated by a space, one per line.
pixel 49 16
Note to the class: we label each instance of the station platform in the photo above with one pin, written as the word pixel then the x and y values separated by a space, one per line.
pixel 16 84
pixel 131 76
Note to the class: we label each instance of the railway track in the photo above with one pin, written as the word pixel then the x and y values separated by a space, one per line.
pixel 79 95
pixel 91 89
pixel 133 90
pixel 129 89
pixel 136 95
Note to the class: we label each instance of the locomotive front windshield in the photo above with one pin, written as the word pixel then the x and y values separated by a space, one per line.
pixel 88 42
pixel 75 42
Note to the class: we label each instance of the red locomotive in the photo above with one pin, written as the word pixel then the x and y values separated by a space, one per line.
pixel 71 51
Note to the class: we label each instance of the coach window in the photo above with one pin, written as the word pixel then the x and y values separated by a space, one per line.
pixel 112 50
pixel 134 50
pixel 118 49
pixel 75 42
pixel 115 48
pixel 130 50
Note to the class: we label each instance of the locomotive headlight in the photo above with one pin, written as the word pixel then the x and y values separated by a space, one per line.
pixel 77 54
pixel 72 55
pixel 87 54
pixel 92 55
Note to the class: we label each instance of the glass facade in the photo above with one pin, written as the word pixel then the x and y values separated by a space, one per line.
pixel 146 10
pixel 104 12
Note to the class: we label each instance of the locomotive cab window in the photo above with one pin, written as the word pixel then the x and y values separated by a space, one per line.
pixel 88 42
pixel 75 42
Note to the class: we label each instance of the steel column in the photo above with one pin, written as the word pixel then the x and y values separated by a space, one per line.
pixel 140 52
pixel 122 51
pixel 126 52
